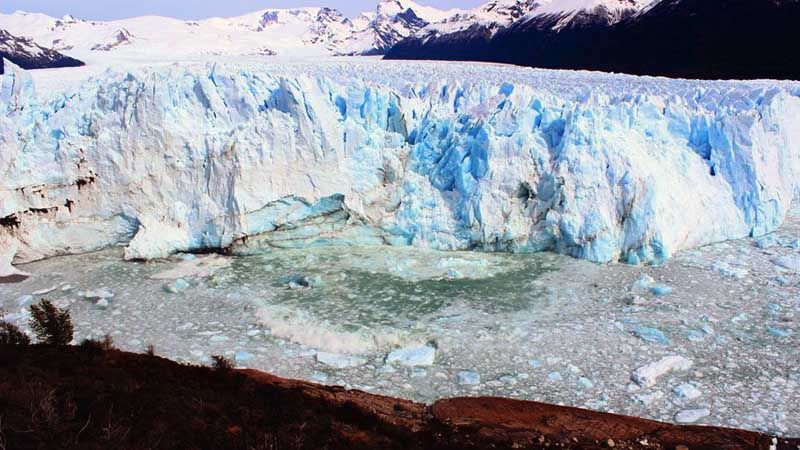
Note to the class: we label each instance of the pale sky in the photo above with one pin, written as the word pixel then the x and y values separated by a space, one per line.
pixel 195 9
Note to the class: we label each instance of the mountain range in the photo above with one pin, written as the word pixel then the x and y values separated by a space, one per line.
pixel 678 38
pixel 710 39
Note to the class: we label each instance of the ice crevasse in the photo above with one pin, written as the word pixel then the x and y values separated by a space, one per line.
pixel 256 157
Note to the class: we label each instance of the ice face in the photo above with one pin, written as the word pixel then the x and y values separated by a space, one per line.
pixel 451 157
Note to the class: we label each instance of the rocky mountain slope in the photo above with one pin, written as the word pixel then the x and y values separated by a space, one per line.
pixel 27 54
pixel 677 38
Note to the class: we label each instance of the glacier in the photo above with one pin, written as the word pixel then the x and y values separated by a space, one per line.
pixel 250 157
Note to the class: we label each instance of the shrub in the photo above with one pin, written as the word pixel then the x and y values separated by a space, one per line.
pixel 150 350
pixel 100 345
pixel 50 324
pixel 222 363
pixel 10 334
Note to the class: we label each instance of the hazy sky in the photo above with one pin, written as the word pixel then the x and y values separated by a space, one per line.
pixel 194 9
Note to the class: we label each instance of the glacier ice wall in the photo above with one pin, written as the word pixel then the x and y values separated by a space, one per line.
pixel 254 157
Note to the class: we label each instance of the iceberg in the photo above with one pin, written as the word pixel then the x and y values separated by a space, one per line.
pixel 253 157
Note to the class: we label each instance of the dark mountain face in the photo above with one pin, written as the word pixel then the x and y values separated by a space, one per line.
pixel 709 39
pixel 28 55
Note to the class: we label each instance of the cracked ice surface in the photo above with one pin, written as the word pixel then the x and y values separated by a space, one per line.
pixel 532 326
pixel 255 157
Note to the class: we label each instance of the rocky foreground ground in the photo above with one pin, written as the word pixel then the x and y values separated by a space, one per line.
pixel 88 398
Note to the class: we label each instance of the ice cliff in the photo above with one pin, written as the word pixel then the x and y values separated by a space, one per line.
pixel 253 157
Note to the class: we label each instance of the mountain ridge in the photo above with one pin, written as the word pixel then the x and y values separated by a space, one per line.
pixel 27 54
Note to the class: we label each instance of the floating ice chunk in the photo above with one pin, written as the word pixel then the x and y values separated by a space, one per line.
pixel 691 415
pixel 695 336
pixel 687 391
pixel 727 270
pixel 646 284
pixel 319 377
pixel 585 383
pixel 45 290
pixel 779 332
pixel 768 241
pixel 24 300
pixel 791 263
pixel 412 356
pixel 642 285
pixel 176 286
pixel 243 356
pixel 647 376
pixel 660 289
pixel 387 368
pixel 102 303
pixel 301 281
pixel 199 267
pixel 99 294
pixel 554 376
pixel 338 361
pixel 649 399
pixel 468 377
pixel 418 372
pixel 653 335
pixel 635 300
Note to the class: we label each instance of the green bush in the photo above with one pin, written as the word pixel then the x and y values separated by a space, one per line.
pixel 50 324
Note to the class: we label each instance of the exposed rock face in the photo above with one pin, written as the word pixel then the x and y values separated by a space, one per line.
pixel 27 54
pixel 187 158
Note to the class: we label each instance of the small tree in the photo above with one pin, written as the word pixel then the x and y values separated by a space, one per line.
pixel 52 325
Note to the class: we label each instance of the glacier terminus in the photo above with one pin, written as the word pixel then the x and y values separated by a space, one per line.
pixel 252 157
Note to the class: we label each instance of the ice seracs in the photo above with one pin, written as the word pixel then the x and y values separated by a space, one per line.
pixel 252 157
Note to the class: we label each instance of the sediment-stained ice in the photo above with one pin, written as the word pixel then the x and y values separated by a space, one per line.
pixel 255 157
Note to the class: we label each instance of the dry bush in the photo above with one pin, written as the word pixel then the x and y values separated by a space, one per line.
pixel 10 334
pixel 100 345
pixel 220 362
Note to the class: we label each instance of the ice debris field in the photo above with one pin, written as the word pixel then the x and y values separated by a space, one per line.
pixel 408 228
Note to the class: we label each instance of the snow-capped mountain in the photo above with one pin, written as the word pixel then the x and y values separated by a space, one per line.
pixel 27 54
pixel 294 32
pixel 684 38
